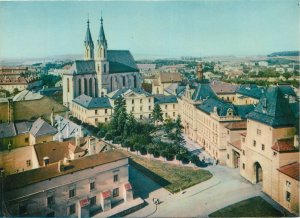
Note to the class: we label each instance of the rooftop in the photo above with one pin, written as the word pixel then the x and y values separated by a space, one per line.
pixel 41 127
pixel 285 145
pixel 92 103
pixel 224 88
pixel 236 125
pixel 250 90
pixel 291 170
pixel 50 171
pixel 124 91
pixel 164 99
pixel 169 77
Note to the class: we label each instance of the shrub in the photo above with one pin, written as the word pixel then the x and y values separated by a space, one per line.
pixel 101 133
pixel 194 159
pixel 156 153
pixel 117 140
pixel 108 136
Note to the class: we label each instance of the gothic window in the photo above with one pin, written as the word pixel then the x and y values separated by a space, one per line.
pixel 111 81
pixel 104 68
pixel 79 86
pixel 123 78
pixel 68 85
pixel 96 87
pixel 91 87
pixel 85 86
pixel 134 81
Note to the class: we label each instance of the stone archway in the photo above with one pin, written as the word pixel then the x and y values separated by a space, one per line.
pixel 258 172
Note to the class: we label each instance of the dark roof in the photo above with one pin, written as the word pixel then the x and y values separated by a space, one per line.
pixel 83 67
pixel 121 61
pixel 273 109
pixel 120 92
pixel 51 91
pixel 164 99
pixel 291 170
pixel 243 110
pixel 88 37
pixel 287 90
pixel 180 90
pixel 250 90
pixel 23 127
pixel 203 91
pixel 91 103
pixel 222 107
pixel 284 145
pixel 7 130
pixel 29 177
pixel 224 88
pixel 41 127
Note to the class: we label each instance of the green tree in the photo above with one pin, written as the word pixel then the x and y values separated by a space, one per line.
pixel 156 114
pixel 119 116
pixel 130 125
pixel 179 140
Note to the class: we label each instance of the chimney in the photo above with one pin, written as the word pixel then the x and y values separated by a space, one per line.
pixel 46 161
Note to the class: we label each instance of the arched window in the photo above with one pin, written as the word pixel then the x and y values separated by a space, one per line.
pixel 68 85
pixel 124 83
pixel 85 86
pixel 111 84
pixel 79 86
pixel 91 87
pixel 104 68
pixel 96 87
pixel 134 81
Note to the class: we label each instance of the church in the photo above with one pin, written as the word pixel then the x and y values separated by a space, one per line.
pixel 102 70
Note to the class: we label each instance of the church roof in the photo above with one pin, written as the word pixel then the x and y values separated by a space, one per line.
pixel 92 103
pixel 101 37
pixel 121 61
pixel 273 109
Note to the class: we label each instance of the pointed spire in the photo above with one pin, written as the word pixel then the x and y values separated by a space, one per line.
pixel 101 38
pixel 88 37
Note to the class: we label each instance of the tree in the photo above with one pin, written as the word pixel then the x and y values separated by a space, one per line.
pixel 119 116
pixel 194 159
pixel 179 140
pixel 15 91
pixel 156 114
pixel 130 126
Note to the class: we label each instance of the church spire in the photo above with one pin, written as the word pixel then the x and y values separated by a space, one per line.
pixel 102 43
pixel 88 43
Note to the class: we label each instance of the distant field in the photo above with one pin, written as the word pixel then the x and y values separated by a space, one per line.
pixel 252 207
pixel 171 177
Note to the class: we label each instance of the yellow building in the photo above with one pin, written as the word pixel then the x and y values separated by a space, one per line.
pixel 168 105
pixel 91 110
pixel 163 81
pixel 270 145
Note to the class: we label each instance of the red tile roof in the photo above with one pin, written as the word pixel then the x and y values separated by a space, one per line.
pixel 284 145
pixel 224 88
pixel 106 194
pixel 291 170
pixel 236 144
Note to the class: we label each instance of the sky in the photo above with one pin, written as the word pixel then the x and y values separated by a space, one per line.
pixel 151 28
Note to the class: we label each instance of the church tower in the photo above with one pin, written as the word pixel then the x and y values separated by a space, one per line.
pixel 88 44
pixel 102 65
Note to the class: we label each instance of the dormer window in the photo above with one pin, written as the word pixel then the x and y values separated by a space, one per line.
pixel 229 112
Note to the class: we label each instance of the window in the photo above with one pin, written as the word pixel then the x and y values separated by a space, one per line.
pixel 149 116
pixel 243 166
pixel 166 106
pixel 116 178
pixel 149 108
pixel 106 111
pixel 243 152
pixel 254 143
pixel 28 163
pixel 173 106
pixel 263 147
pixel 68 85
pixel 243 139
pixel 92 186
pixel 173 114
pixel 115 192
pixel 288 196
pixel 72 192
pixel 50 201
pixel 96 120
pixel 141 108
pixel 288 184
pixel 105 119
pixel 227 156
pixel 149 100
pixel 104 68
pixel 93 200
pixel 166 115
pixel 26 139
pixel 123 79
pixel 96 112
pixel 132 101
pixel 132 109
pixel 141 101
pixel 72 209
pixel 258 131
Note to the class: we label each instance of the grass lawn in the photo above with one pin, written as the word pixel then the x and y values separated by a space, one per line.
pixel 252 207
pixel 171 177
